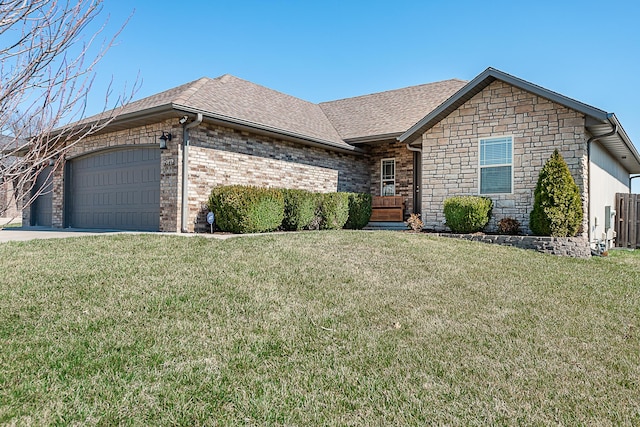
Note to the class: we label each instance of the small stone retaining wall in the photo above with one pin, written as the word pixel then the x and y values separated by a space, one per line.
pixel 577 247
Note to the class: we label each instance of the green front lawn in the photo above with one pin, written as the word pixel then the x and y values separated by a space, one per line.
pixel 319 328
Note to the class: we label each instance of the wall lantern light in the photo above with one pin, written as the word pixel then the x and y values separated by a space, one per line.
pixel 166 136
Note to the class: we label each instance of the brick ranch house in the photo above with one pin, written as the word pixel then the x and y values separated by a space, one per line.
pixel 489 136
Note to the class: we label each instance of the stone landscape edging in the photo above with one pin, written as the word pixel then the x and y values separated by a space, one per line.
pixel 576 247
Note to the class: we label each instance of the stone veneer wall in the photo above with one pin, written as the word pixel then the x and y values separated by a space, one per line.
pixel 577 247
pixel 224 156
pixel 450 151
pixel 138 136
pixel 404 170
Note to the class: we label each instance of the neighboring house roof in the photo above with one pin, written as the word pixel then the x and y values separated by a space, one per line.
pixel 9 142
pixel 599 122
pixel 387 115
pixel 9 145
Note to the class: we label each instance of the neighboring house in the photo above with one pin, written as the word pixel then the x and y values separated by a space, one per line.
pixel 8 205
pixel 489 136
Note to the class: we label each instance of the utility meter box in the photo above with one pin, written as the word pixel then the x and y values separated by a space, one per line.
pixel 609 226
pixel 609 214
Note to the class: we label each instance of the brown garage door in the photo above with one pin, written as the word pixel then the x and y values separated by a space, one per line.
pixel 116 189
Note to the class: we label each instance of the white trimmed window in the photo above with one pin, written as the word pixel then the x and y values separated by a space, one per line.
pixel 388 177
pixel 496 159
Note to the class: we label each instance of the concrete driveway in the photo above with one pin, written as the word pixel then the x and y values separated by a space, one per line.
pixel 31 233
pixel 23 234
pixel 17 234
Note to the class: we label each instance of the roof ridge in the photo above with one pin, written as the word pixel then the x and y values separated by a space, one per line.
pixel 192 87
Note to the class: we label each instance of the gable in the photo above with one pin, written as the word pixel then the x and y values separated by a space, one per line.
pixel 603 126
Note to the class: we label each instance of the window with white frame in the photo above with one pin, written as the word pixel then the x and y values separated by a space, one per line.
pixel 388 177
pixel 496 159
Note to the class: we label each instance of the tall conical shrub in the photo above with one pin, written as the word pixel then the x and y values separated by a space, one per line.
pixel 557 208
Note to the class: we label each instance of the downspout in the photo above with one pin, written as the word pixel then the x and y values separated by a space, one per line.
pixel 630 178
pixel 589 141
pixel 185 171
pixel 417 150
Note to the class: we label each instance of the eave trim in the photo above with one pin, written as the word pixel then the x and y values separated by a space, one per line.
pixel 271 131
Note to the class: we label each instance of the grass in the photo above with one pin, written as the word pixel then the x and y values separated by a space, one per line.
pixel 321 328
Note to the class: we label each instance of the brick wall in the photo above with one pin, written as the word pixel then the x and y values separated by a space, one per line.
pixel 57 215
pixel 538 126
pixel 223 156
pixel 404 170
pixel 26 214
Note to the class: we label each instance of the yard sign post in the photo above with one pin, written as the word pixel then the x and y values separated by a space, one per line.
pixel 210 218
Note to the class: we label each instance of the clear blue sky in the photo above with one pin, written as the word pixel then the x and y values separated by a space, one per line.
pixel 324 50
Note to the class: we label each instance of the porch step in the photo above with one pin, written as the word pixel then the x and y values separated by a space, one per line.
pixel 386 225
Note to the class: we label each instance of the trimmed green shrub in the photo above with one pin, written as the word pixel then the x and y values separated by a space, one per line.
pixel 359 210
pixel 334 210
pixel 557 208
pixel 467 214
pixel 245 209
pixel 299 209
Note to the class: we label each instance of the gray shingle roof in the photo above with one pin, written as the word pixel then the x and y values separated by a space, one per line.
pixel 236 100
pixel 244 101
pixel 390 112
pixel 167 97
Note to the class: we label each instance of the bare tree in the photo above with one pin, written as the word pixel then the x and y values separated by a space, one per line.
pixel 46 72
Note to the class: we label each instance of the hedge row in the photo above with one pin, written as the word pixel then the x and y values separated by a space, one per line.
pixel 240 209
pixel 246 209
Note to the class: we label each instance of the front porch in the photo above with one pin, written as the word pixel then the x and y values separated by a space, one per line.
pixel 395 182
